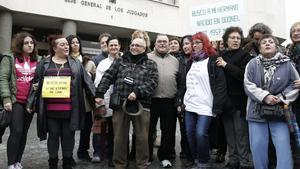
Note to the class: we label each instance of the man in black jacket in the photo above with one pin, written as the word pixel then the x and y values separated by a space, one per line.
pixel 135 78
pixel 103 46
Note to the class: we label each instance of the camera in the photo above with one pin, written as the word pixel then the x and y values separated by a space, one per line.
pixel 129 80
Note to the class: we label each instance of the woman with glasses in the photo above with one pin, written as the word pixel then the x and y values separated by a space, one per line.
pixel 204 97
pixel 293 51
pixel 233 61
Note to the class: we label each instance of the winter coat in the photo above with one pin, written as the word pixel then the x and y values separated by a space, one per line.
pixel 144 73
pixel 217 83
pixel 280 85
pixel 80 80
pixel 234 72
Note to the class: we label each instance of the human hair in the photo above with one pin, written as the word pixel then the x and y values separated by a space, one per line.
pixel 188 37
pixel 85 59
pixel 292 27
pixel 112 38
pixel 230 30
pixel 138 33
pixel 265 36
pixel 18 43
pixel 102 35
pixel 70 38
pixel 174 38
pixel 160 34
pixel 220 45
pixel 52 42
pixel 207 48
pixel 259 27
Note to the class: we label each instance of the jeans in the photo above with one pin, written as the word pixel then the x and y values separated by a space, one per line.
pixel 259 139
pixel 197 135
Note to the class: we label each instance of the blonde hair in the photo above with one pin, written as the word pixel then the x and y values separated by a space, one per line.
pixel 292 27
pixel 143 35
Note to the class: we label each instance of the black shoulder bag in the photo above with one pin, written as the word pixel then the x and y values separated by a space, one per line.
pixel 269 112
pixel 5 117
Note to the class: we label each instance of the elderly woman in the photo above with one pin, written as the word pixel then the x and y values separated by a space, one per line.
pixel 233 61
pixel 204 97
pixel 59 109
pixel 294 54
pixel 17 71
pixel 268 82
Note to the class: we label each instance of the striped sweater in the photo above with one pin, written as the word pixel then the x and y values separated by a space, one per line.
pixel 58 107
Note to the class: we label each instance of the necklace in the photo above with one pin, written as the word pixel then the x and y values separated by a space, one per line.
pixel 58 69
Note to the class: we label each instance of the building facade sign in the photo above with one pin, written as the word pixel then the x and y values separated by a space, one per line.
pixel 111 6
pixel 131 14
pixel 214 18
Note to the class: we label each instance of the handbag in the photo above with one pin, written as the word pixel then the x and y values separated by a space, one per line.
pixel 272 112
pixel 269 112
pixel 5 117
pixel 115 100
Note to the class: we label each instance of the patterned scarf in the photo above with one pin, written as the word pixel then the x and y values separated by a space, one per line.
pixel 270 65
pixel 198 56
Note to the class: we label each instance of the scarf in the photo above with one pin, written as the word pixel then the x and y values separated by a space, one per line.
pixel 198 56
pixel 270 65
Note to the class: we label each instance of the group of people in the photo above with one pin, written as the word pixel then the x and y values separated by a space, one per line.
pixel 219 92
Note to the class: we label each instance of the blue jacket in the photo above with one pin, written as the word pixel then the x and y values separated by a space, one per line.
pixel 281 84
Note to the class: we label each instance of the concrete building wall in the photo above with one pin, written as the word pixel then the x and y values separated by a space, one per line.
pixel 121 17
pixel 134 14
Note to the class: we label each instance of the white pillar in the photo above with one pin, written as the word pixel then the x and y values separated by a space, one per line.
pixel 69 28
pixel 6 22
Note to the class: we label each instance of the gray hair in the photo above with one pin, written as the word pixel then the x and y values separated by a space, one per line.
pixel 259 27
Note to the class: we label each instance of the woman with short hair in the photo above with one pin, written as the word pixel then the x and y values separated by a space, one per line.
pixel 60 111
pixel 269 82
pixel 233 61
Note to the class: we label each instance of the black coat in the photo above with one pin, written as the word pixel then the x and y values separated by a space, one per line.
pixel 234 73
pixel 80 80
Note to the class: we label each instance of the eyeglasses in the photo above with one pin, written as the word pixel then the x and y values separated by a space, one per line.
pixel 161 41
pixel 136 45
pixel 197 42
pixel 295 30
